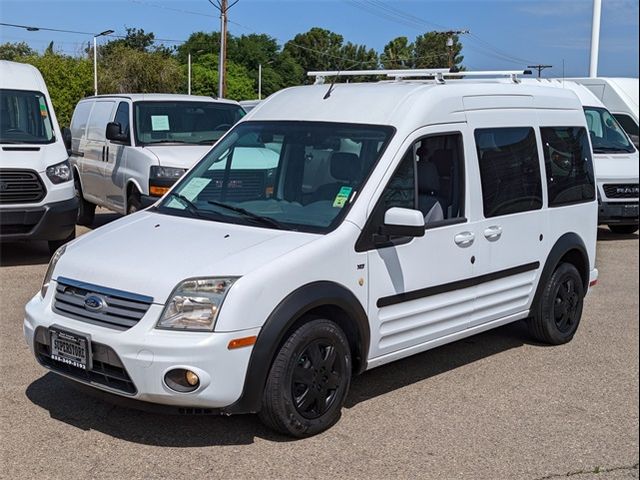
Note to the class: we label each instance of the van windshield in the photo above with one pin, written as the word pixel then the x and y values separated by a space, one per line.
pixel 24 117
pixel 284 175
pixel 607 136
pixel 161 122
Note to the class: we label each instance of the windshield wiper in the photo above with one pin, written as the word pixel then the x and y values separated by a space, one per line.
pixel 165 141
pixel 259 218
pixel 190 206
pixel 611 149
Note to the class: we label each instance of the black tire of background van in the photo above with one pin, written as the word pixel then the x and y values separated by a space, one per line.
pixel 134 203
pixel 86 210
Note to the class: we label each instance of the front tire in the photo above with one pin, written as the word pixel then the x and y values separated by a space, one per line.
pixel 560 308
pixel 134 203
pixel 623 229
pixel 86 210
pixel 308 381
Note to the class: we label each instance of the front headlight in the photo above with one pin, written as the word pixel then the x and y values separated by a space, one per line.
pixel 60 172
pixel 52 265
pixel 195 304
pixel 166 173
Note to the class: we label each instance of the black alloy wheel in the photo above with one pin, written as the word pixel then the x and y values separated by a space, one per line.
pixel 308 380
pixel 565 305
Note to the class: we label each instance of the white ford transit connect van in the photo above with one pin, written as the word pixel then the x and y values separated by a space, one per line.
pixel 616 161
pixel 37 199
pixel 398 216
pixel 127 150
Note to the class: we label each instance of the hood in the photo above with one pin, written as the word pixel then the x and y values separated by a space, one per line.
pixel 37 157
pixel 623 167
pixel 180 156
pixel 149 253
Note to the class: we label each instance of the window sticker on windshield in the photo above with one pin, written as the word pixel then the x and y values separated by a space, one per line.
pixel 194 187
pixel 342 197
pixel 43 107
pixel 160 123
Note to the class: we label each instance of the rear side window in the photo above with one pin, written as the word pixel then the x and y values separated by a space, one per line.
pixel 569 166
pixel 509 170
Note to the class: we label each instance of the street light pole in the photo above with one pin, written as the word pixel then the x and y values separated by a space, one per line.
pixel 260 81
pixel 189 73
pixel 95 59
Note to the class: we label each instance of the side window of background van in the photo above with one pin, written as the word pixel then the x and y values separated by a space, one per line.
pixel 122 117
pixel 509 170
pixel 568 163
pixel 100 116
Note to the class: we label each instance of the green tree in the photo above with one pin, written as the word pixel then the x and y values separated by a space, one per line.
pixel 431 51
pixel 204 79
pixel 398 54
pixel 15 51
pixel 317 49
pixel 198 44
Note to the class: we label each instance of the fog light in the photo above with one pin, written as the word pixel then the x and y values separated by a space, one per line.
pixel 191 378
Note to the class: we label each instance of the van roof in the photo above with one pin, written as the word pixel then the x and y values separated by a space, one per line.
pixel 403 102
pixel 586 96
pixel 20 76
pixel 139 97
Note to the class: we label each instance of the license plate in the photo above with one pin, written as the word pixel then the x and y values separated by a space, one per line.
pixel 69 347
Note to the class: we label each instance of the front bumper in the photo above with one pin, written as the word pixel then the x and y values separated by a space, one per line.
pixel 53 221
pixel 618 213
pixel 146 354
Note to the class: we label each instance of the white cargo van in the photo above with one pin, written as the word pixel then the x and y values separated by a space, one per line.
pixel 620 96
pixel 397 217
pixel 127 150
pixel 616 161
pixel 37 200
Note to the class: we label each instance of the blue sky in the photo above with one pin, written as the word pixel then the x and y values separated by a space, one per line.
pixel 505 34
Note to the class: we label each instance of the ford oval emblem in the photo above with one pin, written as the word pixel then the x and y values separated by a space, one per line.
pixel 94 303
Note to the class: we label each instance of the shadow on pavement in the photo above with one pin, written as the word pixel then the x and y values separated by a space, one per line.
pixel 37 252
pixel 86 412
pixel 606 235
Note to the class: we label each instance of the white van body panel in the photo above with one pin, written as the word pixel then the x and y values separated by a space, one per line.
pixel 158 251
pixel 620 95
pixel 36 157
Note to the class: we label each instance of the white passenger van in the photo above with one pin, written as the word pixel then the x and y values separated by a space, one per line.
pixel 616 161
pixel 620 96
pixel 37 199
pixel 399 216
pixel 127 150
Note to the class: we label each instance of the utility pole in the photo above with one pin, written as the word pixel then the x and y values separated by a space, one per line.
pixel 450 43
pixel 540 68
pixel 223 6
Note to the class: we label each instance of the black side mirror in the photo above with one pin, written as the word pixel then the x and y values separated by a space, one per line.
pixel 114 133
pixel 66 138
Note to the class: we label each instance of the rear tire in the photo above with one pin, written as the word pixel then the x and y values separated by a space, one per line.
pixel 56 244
pixel 560 308
pixel 86 210
pixel 308 381
pixel 134 203
pixel 623 229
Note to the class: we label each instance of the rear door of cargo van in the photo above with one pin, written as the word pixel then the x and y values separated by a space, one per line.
pixel 95 152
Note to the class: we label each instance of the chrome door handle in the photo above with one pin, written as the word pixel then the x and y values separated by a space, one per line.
pixel 464 239
pixel 493 233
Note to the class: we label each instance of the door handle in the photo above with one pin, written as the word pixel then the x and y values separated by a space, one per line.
pixel 106 157
pixel 464 239
pixel 103 148
pixel 493 233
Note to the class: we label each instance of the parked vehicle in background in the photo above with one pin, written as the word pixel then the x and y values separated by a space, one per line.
pixel 128 150
pixel 616 160
pixel 37 199
pixel 375 221
pixel 249 105
pixel 620 96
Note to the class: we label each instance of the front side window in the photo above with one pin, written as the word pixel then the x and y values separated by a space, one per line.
pixel 122 117
pixel 509 170
pixel 285 175
pixel 607 136
pixel 568 163
pixel 194 122
pixel 24 117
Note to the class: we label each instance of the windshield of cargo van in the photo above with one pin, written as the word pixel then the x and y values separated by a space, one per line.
pixel 283 175
pixel 24 117
pixel 200 123
pixel 607 136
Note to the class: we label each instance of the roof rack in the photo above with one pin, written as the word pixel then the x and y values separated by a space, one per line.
pixel 437 73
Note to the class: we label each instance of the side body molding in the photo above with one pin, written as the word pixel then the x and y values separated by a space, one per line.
pixel 279 324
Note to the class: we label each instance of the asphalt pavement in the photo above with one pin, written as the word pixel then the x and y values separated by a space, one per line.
pixel 494 406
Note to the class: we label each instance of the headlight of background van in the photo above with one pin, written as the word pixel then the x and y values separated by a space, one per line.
pixel 162 178
pixel 195 304
pixel 52 265
pixel 60 172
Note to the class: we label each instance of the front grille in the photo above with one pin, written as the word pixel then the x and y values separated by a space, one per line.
pixel 241 185
pixel 107 369
pixel 115 308
pixel 20 186
pixel 628 190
